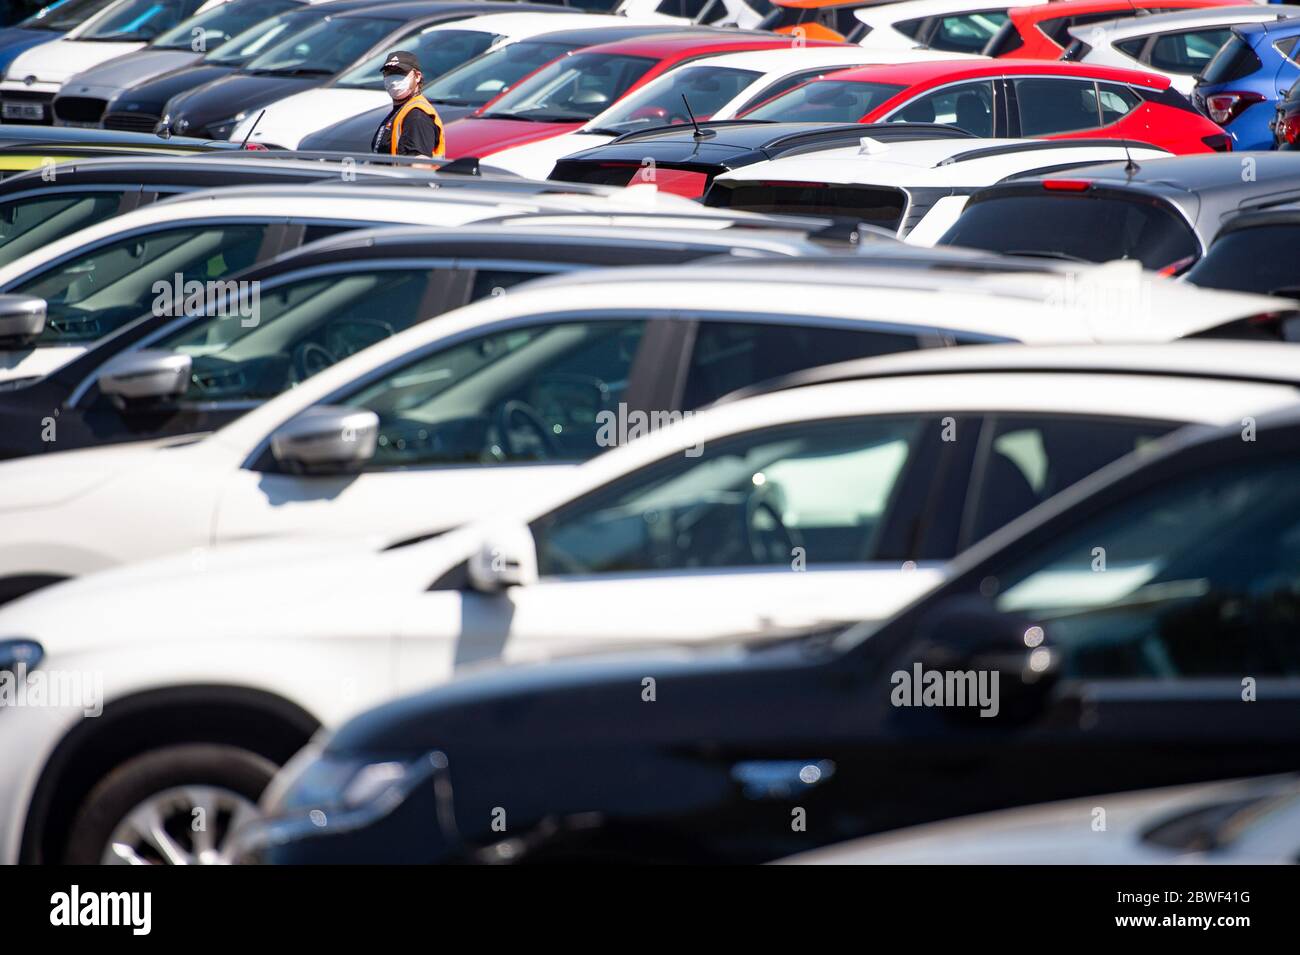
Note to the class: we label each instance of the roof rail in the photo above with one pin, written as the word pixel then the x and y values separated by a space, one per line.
pixel 983 152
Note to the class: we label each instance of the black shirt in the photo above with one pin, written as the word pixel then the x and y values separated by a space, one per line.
pixel 419 134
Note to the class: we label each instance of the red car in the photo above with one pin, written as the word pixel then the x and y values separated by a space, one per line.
pixel 570 90
pixel 1042 32
pixel 1005 98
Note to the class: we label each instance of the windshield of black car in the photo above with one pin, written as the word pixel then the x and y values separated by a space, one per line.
pixel 437 51
pixel 326 48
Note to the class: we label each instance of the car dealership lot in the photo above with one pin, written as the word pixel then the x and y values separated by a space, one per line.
pixel 748 442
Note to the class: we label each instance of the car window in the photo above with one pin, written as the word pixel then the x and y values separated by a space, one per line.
pixel 967 32
pixel 1056 106
pixel 1131 48
pixel 1253 260
pixel 1187 53
pixel 873 205
pixel 487 76
pixel 1057 29
pixel 788 83
pixel 530 393
pixel 572 89
pixel 1198 577
pixel 253 348
pixel 325 48
pixel 818 491
pixel 826 101
pixel 97 292
pixel 1027 459
pixel 498 281
pixel 1234 61
pixel 213 27
pixel 438 51
pixel 139 20
pixel 661 103
pixel 34 222
pixel 731 355
pixel 968 106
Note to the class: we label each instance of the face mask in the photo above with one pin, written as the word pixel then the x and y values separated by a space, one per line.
pixel 398 86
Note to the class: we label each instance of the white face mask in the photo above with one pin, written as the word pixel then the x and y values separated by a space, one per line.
pixel 399 86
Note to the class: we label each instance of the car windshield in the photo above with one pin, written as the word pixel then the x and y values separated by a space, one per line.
pixel 662 103
pixel 826 101
pixel 212 28
pixel 572 89
pixel 437 51
pixel 1075 226
pixel 139 21
pixel 325 48
pixel 488 76
pixel 63 16
pixel 260 37
pixel 1252 260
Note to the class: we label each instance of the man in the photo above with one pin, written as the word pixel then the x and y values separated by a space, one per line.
pixel 413 128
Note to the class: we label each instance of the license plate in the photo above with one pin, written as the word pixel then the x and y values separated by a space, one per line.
pixel 70 123
pixel 34 111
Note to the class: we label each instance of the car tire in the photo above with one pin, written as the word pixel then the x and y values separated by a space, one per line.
pixel 226 780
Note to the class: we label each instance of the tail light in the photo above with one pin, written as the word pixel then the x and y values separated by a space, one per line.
pixel 1219 142
pixel 1288 129
pixel 255 147
pixel 1223 108
pixel 1177 267
pixel 1066 185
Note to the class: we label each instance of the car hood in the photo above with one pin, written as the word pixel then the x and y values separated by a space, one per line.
pixel 287 121
pixel 152 96
pixel 535 160
pixel 222 99
pixel 474 136
pixel 117 74
pixel 61 60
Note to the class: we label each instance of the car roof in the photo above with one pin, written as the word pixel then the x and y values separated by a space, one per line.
pixel 744 135
pixel 694 42
pixel 412 10
pixel 884 14
pixel 616 31
pixel 1284 26
pixel 1124 27
pixel 15 135
pixel 526 20
pixel 935 162
pixel 1065 8
pixel 930 71
pixel 788 59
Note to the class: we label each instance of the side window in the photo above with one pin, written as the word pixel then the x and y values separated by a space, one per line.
pixel 967 32
pixel 532 393
pixel 1133 48
pixel 499 281
pixel 786 83
pixel 1025 460
pixel 969 106
pixel 746 501
pixel 1116 102
pixel 1199 577
pixel 731 355
pixel 33 223
pixel 97 292
pixel 314 232
pixel 1056 106
pixel 253 346
pixel 1187 53
pixel 911 28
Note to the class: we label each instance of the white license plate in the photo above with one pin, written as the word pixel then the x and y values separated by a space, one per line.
pixel 34 111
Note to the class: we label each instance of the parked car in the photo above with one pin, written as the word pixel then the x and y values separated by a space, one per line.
pixel 84 97
pixel 915 188
pixel 1177 45
pixel 46 24
pixel 1042 31
pixel 952 26
pixel 1126 678
pixel 566 94
pixel 310 58
pixel 1241 86
pixel 816 19
pixel 35 76
pixel 1244 822
pixel 359 90
pixel 43 148
pixel 102 277
pixel 647 545
pixel 1164 213
pixel 1252 253
pixel 716 87
pixel 316 306
pixel 1005 98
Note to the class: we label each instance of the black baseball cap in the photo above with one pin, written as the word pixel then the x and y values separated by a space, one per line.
pixel 400 61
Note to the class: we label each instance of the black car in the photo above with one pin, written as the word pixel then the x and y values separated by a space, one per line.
pixel 1254 252
pixel 463 90
pixel 1137 630
pixel 344 293
pixel 715 147
pixel 335 43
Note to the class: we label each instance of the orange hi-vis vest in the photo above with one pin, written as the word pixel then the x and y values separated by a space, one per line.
pixel 424 106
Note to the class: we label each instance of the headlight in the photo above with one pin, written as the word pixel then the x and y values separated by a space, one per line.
pixel 20 651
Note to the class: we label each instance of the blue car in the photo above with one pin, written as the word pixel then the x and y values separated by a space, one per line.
pixel 1243 83
pixel 48 23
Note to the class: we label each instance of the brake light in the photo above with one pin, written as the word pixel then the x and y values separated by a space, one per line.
pixel 1223 108
pixel 1177 267
pixel 1289 128
pixel 255 147
pixel 1067 185
pixel 1219 142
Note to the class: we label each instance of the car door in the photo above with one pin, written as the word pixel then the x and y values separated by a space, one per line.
pixel 1051 105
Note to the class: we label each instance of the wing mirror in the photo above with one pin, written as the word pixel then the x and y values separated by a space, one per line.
pixel 507 557
pixel 22 319
pixel 145 375
pixel 326 439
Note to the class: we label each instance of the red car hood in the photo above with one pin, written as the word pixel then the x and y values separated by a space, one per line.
pixel 482 137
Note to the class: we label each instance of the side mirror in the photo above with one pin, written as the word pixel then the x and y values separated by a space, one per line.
pixel 507 557
pixel 145 375
pixel 326 439
pixel 22 319
pixel 972 644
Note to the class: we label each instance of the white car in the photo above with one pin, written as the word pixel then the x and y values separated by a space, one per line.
pixel 95 280
pixel 359 89
pixel 717 87
pixel 36 75
pixel 1176 45
pixel 916 189
pixel 955 26
pixel 795 509
pixel 440 423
